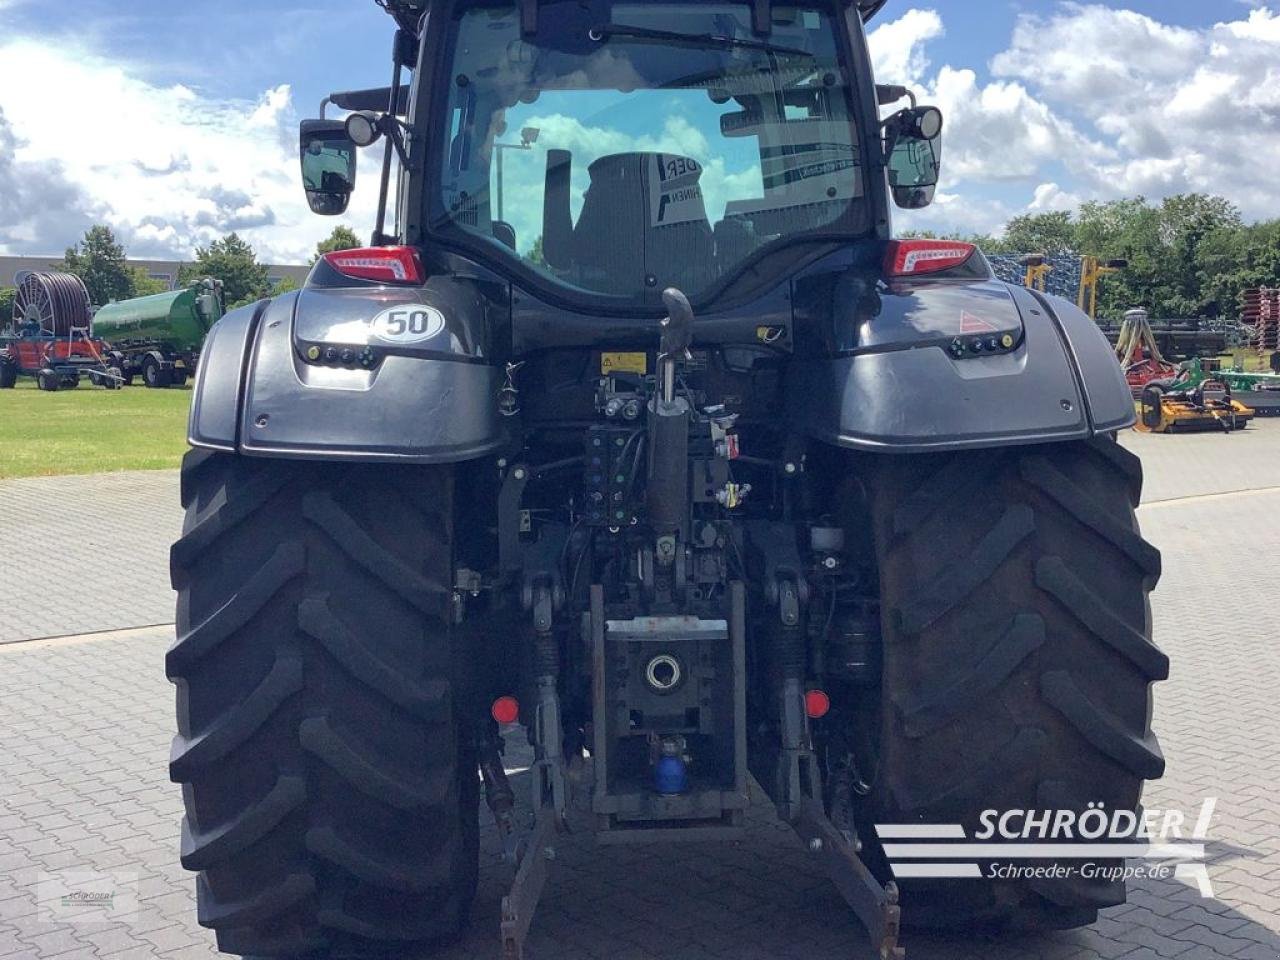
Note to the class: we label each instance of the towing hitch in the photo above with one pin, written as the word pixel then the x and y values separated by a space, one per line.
pixel 876 906
pixel 520 904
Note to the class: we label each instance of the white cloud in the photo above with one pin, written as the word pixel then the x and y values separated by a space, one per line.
pixel 1183 110
pixel 168 168
pixel 39 206
pixel 1094 54
pixel 1050 198
pixel 996 134
pixel 898 46
pixel 1091 102
pixel 1001 132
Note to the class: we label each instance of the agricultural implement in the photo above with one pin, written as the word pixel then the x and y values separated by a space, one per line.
pixel 1197 399
pixel 701 488
pixel 49 336
pixel 1258 391
pixel 1202 409
pixel 158 338
pixel 1139 355
pixel 1237 396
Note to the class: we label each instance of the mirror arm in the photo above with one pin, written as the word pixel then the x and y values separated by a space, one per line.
pixel 394 130
pixel 894 117
pixel 384 186
pixel 892 93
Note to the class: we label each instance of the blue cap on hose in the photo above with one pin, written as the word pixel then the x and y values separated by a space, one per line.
pixel 670 775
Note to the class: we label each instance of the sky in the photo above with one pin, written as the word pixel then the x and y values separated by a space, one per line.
pixel 176 123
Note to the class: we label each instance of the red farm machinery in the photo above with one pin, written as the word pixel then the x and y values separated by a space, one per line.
pixel 49 336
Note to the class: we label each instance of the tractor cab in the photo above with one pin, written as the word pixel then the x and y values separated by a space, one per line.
pixel 602 152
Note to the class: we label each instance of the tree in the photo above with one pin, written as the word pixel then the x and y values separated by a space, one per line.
pixel 535 254
pixel 286 285
pixel 7 296
pixel 1053 234
pixel 145 286
pixel 1170 249
pixel 342 238
pixel 99 261
pixel 232 261
pixel 1186 222
pixel 1128 230
pixel 1231 260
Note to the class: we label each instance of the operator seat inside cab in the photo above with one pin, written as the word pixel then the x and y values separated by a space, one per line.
pixel 643 223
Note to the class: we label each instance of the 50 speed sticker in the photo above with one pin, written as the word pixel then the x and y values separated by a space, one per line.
pixel 408 323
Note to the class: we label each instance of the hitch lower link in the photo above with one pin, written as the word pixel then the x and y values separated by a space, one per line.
pixel 799 796
pixel 876 906
pixel 531 853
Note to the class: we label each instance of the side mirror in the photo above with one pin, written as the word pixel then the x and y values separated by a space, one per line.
pixel 328 165
pixel 913 144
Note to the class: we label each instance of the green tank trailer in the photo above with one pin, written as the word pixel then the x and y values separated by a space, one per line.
pixel 159 337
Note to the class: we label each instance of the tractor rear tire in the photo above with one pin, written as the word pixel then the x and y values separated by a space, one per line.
pixel 1017 659
pixel 8 374
pixel 330 783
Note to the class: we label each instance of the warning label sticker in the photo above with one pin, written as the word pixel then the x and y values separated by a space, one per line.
pixel 971 324
pixel 623 363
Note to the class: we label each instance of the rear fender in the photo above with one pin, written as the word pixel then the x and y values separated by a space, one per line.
pixel 306 376
pixel 897 369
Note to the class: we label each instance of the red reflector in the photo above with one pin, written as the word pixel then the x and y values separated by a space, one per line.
pixel 383 264
pixel 816 704
pixel 506 710
pixel 911 258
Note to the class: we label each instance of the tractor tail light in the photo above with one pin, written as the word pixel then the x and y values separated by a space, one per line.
pixel 398 265
pixel 914 258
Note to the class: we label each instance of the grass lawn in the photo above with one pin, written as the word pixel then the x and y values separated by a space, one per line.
pixel 1248 360
pixel 90 430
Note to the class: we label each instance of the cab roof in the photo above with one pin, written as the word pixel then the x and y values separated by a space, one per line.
pixel 408 13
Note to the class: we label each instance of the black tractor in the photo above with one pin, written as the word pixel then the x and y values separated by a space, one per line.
pixel 635 425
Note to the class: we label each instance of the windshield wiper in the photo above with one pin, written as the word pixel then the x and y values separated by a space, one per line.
pixel 608 30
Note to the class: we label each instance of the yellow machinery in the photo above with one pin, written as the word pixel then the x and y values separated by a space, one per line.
pixel 1092 270
pixel 1038 270
pixel 1038 266
pixel 1195 406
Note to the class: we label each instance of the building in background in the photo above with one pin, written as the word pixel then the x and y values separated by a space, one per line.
pixel 165 271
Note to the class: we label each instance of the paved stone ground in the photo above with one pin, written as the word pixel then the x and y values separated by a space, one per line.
pixel 1193 465
pixel 85 554
pixel 85 726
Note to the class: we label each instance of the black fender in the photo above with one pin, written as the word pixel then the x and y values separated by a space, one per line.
pixel 305 376
pixel 945 364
